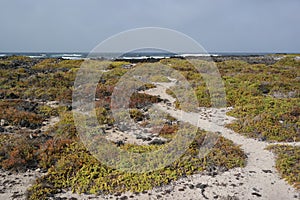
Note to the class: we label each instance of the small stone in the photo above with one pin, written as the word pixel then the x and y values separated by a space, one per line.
pixel 191 186
pixel 201 186
pixel 256 194
pixel 119 143
pixel 263 138
pixel 117 194
pixel 267 171
pixel 157 141
pixel 2 129
pixel 168 191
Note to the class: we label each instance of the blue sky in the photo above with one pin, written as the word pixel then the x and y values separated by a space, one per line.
pixel 218 25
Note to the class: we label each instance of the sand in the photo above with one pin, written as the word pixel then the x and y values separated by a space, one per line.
pixel 258 180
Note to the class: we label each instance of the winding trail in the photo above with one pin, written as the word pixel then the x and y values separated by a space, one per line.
pixel 258 180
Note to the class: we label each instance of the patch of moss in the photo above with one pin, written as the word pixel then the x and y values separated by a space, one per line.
pixel 159 78
pixel 117 64
pixel 20 113
pixel 288 163
pixel 268 118
pixel 17 152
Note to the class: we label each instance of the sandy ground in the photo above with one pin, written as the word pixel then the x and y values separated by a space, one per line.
pixel 14 185
pixel 258 180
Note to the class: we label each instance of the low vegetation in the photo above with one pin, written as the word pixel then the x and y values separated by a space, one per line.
pixel 288 162
pixel 265 101
pixel 265 98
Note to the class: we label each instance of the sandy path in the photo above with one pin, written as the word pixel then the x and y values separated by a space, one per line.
pixel 258 180
pixel 259 172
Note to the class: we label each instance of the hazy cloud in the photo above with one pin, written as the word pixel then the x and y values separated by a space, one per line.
pixel 219 25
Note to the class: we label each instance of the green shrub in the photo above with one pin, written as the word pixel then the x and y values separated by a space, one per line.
pixel 288 163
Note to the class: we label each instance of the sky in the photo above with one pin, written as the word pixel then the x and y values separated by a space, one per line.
pixel 218 25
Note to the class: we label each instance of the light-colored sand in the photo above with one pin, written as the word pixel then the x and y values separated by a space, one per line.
pixel 258 180
pixel 15 185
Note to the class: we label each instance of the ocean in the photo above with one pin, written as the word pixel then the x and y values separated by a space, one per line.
pixel 130 55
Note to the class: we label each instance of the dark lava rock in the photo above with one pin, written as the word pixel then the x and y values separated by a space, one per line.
pixel 143 137
pixel 2 129
pixel 27 106
pixel 16 195
pixel 12 96
pixel 117 194
pixel 119 143
pixel 191 186
pixel 251 59
pixel 201 186
pixel 264 88
pixel 263 138
pixel 157 141
pixel 24 123
pixel 123 198
pixel 256 194
pixel 2 95
pixel 267 171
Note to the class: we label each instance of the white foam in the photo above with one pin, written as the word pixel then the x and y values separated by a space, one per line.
pixel 71 58
pixel 72 55
pixel 40 56
pixel 197 55
pixel 66 55
pixel 145 57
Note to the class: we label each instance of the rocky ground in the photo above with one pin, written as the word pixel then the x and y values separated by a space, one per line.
pixel 14 184
pixel 251 59
pixel 258 180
